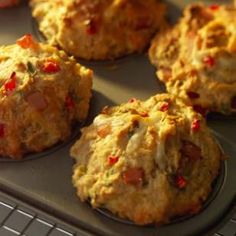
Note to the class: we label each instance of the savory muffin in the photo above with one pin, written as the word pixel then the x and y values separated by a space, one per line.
pixel 42 93
pixel 99 29
pixel 146 161
pixel 196 59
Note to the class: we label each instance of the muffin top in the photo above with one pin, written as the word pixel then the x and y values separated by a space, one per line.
pixel 146 161
pixel 99 29
pixel 42 93
pixel 196 58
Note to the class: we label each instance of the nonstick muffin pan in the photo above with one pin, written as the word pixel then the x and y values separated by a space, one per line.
pixel 44 180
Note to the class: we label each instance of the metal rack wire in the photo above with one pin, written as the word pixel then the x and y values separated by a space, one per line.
pixel 229 229
pixel 18 220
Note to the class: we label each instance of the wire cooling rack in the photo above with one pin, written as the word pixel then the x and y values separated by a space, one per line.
pixel 229 229
pixel 18 220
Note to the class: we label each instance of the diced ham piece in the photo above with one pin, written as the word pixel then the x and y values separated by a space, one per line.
pixel 70 104
pixel 37 101
pixel 133 176
pixel 193 95
pixel 191 151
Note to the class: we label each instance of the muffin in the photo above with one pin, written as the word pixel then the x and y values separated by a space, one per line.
pixel 146 161
pixel 43 92
pixel 196 59
pixel 99 29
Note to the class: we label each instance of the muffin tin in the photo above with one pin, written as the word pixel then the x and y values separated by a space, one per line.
pixel 44 180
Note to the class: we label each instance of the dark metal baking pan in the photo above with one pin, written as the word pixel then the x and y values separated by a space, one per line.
pixel 45 182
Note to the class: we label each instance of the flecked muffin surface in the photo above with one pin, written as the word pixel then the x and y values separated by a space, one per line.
pixel 196 59
pixel 99 29
pixel 146 161
pixel 43 92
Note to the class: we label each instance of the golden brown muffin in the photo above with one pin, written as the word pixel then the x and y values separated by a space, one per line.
pixel 99 29
pixel 42 93
pixel 196 59
pixel 146 161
